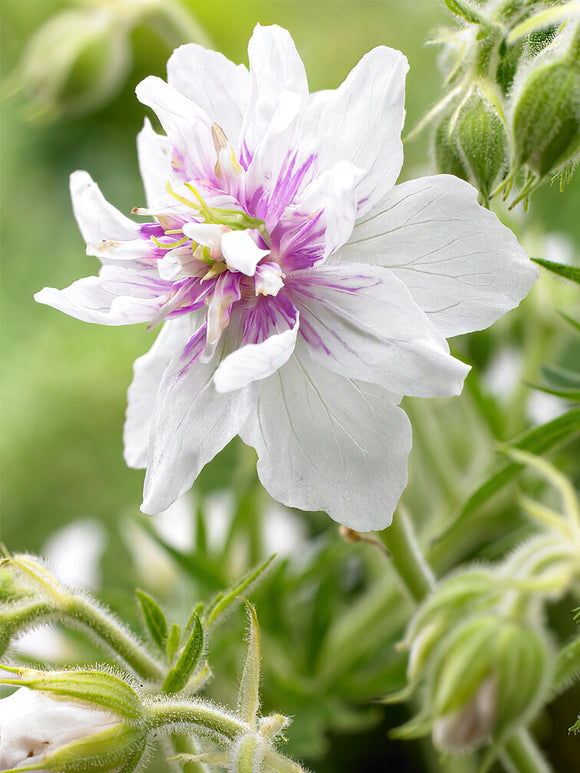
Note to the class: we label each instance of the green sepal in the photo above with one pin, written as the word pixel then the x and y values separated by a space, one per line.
pixel 223 601
pixel 567 668
pixel 249 693
pixel 465 11
pixel 154 618
pixel 96 688
pixel 560 269
pixel 575 727
pixel 179 675
pixel 448 160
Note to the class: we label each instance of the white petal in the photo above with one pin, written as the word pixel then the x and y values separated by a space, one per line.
pixel 361 122
pixel 334 193
pixel 142 393
pixel 275 68
pixel 154 151
pixel 241 252
pixel 208 234
pixel 97 218
pixel 328 443
pixel 188 128
pixel 115 297
pixel 462 266
pixel 192 422
pixel 219 87
pixel 254 362
pixel 361 322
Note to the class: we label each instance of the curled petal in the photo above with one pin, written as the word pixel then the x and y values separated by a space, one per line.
pixel 241 252
pixel 256 361
pixel 116 297
pixel 97 218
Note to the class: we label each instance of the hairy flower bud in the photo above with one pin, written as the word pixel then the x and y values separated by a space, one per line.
pixel 448 159
pixel 489 677
pixel 38 732
pixel 546 118
pixel 479 132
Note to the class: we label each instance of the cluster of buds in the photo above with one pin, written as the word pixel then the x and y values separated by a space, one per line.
pixel 477 645
pixel 80 58
pixel 484 667
pixel 97 720
pixel 511 117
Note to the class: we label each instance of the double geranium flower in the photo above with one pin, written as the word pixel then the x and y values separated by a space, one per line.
pixel 302 293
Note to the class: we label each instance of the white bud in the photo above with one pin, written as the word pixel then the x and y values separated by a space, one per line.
pixel 34 726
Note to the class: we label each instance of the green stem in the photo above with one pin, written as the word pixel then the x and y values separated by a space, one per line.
pixel 411 567
pixel 114 635
pixel 521 755
pixel 194 712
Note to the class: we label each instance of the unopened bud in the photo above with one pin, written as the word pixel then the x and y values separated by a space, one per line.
pixel 546 119
pixel 448 160
pixel 490 676
pixel 247 755
pixel 480 136
pixel 41 733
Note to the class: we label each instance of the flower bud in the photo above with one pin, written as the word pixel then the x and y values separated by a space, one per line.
pixel 38 732
pixel 489 677
pixel 448 160
pixel 464 592
pixel 546 118
pixel 479 132
pixel 247 754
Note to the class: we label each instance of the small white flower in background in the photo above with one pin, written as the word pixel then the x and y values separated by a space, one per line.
pixel 34 726
pixel 303 293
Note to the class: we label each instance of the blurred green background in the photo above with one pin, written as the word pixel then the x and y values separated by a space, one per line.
pixel 64 382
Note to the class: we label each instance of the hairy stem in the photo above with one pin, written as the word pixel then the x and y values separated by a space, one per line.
pixel 407 558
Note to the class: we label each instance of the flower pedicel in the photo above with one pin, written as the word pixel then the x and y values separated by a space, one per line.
pixel 302 292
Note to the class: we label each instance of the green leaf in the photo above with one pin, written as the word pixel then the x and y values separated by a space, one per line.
pixel 173 641
pixel 249 694
pixel 463 9
pixel 568 394
pixel 223 600
pixel 570 320
pixel 561 377
pixel 153 617
pixel 179 675
pixel 537 441
pixel 560 269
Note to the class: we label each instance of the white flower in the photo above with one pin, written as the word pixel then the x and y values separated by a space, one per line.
pixel 304 294
pixel 34 726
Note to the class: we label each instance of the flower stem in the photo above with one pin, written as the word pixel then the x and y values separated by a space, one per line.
pixel 408 561
pixel 521 755
pixel 115 636
pixel 194 712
